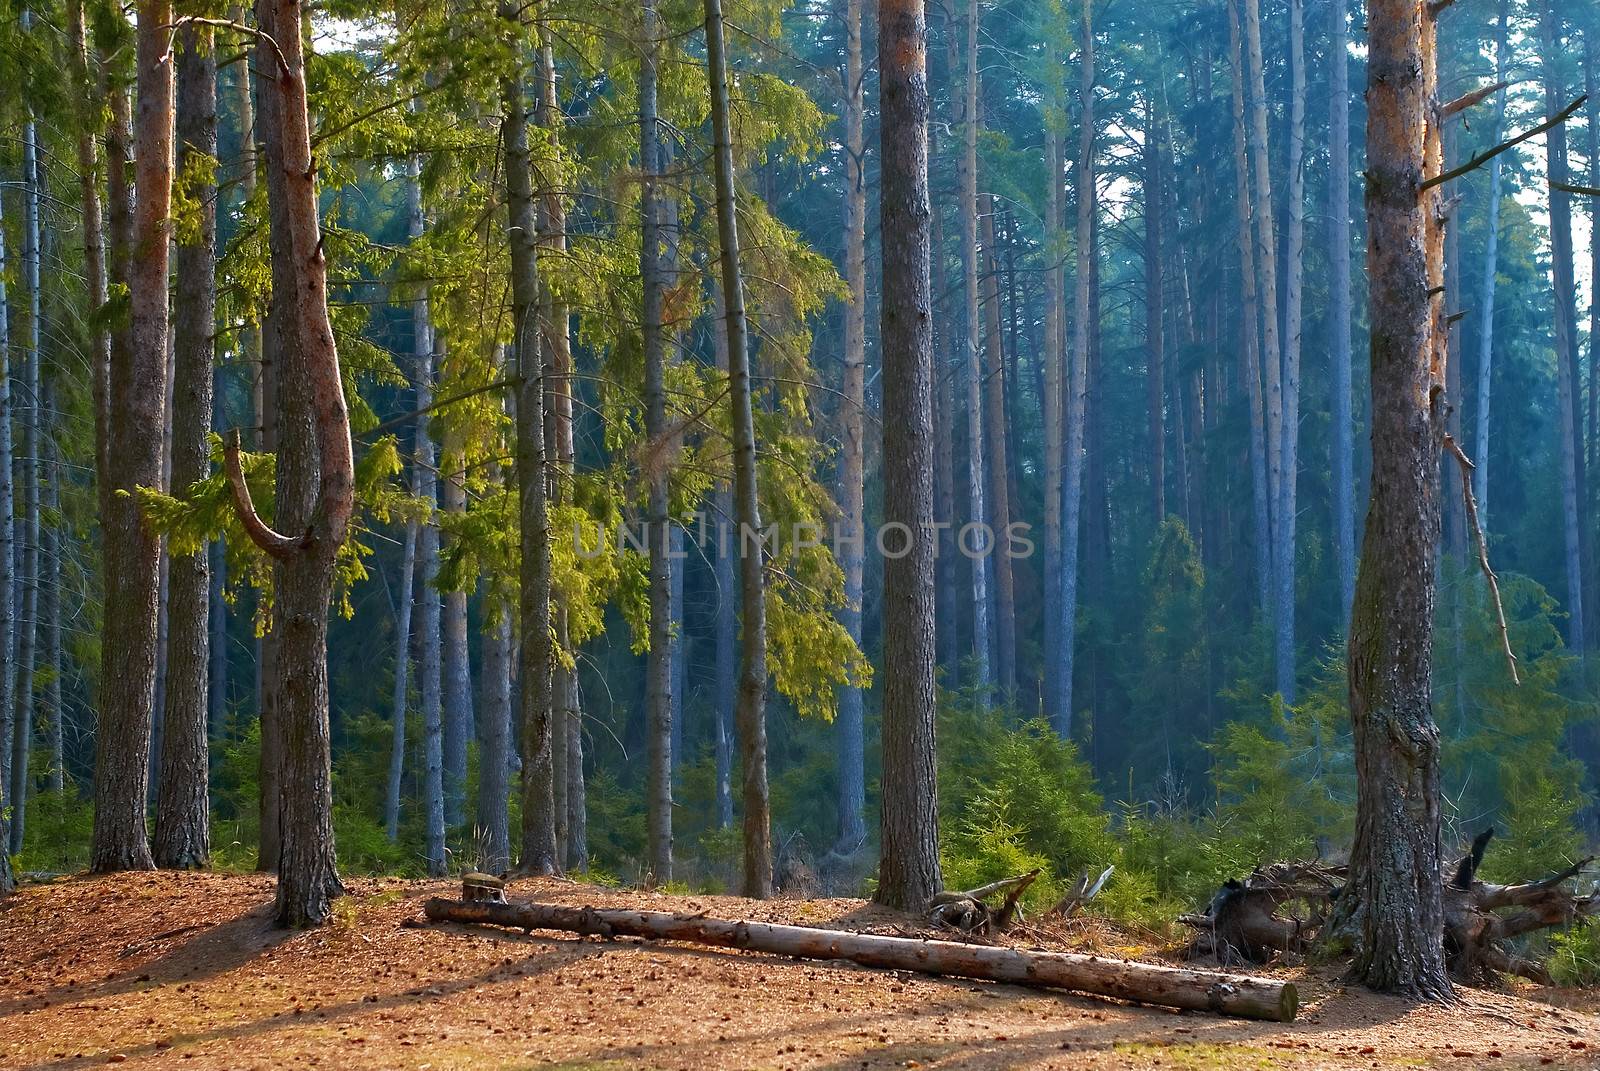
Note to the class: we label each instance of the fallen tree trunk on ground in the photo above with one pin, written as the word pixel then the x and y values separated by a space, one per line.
pixel 1144 983
pixel 1246 923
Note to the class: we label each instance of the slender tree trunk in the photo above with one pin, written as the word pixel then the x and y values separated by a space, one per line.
pixel 454 645
pixel 1566 319
pixel 726 695
pixel 981 638
pixel 1155 315
pixel 1344 525
pixel 948 564
pixel 1078 375
pixel 400 702
pixel 851 729
pixel 1591 86
pixel 8 617
pixel 1293 308
pixel 994 426
pixel 1250 333
pixel 54 541
pixel 538 854
pixel 494 762
pixel 750 714
pixel 132 550
pixel 909 873
pixel 1392 904
pixel 658 663
pixel 1491 269
pixel 1055 688
pixel 183 809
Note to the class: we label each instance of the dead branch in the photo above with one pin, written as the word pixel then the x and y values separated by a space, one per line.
pixel 1582 191
pixel 1489 154
pixel 1468 100
pixel 1471 504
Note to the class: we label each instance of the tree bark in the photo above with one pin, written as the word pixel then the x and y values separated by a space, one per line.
pixel 538 848
pixel 1155 316
pixel 947 566
pixel 976 477
pixel 1054 394
pixel 8 577
pixel 1344 534
pixel 658 661
pixel 52 712
pixel 726 687
pixel 494 762
pixel 400 701
pixel 183 810
pixel 455 660
pixel 850 745
pixel 1293 306
pixel 1146 983
pixel 995 451
pixel 750 713
pixel 132 549
pixel 908 875
pixel 1392 907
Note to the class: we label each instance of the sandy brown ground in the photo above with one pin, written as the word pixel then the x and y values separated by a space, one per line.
pixel 186 972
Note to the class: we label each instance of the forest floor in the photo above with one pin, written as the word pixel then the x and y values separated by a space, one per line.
pixel 186 971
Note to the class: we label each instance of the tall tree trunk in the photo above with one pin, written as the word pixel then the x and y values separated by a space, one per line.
pixel 1344 525
pixel 1591 87
pixel 494 761
pixel 1084 311
pixel 538 854
pixel 948 565
pixel 183 810
pixel 400 701
pixel 1392 905
pixel 53 546
pixel 8 618
pixel 429 620
pixel 909 873
pixel 1055 688
pixel 1155 315
pixel 658 664
pixel 28 530
pixel 315 487
pixel 1293 309
pixel 851 728
pixel 454 642
pixel 132 550
pixel 1491 270
pixel 968 211
pixel 994 426
pixel 1250 333
pixel 726 686
pixel 750 714
pixel 1566 330
pixel 1266 258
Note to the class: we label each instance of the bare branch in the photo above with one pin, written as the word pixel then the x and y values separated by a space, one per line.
pixel 1582 191
pixel 1489 154
pixel 1483 550
pixel 1468 100
pixel 274 543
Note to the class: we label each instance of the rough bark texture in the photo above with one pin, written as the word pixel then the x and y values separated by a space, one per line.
pixel 976 477
pixel 132 551
pixel 1343 466
pixel 1084 312
pixel 850 722
pixel 658 662
pixel 538 847
pixel 1173 987
pixel 909 873
pixel 183 813
pixel 1392 908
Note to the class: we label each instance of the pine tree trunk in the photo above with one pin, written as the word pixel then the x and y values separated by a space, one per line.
pixel 1154 317
pixel 538 848
pixel 494 760
pixel 1293 309
pixel 1249 332
pixel 55 539
pixel 750 712
pixel 400 701
pixel 909 872
pixel 132 550
pixel 726 685
pixel 183 812
pixel 658 663
pixel 1491 269
pixel 1392 905
pixel 8 614
pixel 1054 404
pixel 1343 466
pixel 454 643
pixel 948 565
pixel 850 726
pixel 977 513
pixel 994 427
pixel 1084 310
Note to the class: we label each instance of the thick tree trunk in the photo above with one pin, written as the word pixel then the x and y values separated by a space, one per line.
pixel 750 714
pixel 132 550
pixel 1145 983
pixel 1392 908
pixel 538 848
pixel 1249 331
pixel 850 746
pixel 1084 312
pixel 1566 327
pixel 996 453
pixel 908 875
pixel 658 661
pixel 976 477
pixel 1343 464
pixel 183 812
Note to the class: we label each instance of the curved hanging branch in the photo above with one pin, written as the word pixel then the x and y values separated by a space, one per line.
pixel 261 534
pixel 1483 550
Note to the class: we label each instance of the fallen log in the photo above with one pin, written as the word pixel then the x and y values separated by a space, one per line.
pixel 1143 983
